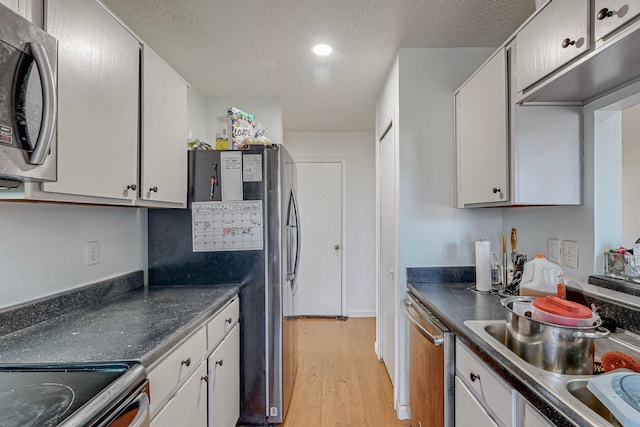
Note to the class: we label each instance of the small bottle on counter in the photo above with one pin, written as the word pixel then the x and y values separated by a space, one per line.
pixel 495 269
pixel 562 289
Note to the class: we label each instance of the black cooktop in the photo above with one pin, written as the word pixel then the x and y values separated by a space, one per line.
pixel 46 395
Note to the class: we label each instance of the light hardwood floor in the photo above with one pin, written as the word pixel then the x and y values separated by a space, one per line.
pixel 340 382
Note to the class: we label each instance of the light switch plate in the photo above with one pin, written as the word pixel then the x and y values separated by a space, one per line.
pixel 553 250
pixel 570 253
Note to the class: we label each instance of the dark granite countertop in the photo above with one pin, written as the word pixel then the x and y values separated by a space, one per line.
pixel 139 325
pixel 453 303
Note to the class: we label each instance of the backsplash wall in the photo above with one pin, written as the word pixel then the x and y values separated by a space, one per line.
pixel 43 247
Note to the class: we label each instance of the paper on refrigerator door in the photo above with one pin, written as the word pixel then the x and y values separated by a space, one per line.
pixel 252 167
pixel 227 226
pixel 231 165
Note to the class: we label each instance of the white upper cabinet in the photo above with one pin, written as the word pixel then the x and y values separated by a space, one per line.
pixel 514 155
pixel 609 15
pixel 482 134
pixel 558 34
pixel 164 132
pixel 98 95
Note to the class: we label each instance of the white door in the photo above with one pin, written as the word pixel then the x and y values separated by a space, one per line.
pixel 387 293
pixel 319 291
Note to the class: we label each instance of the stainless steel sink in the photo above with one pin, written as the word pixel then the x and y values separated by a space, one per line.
pixel 570 389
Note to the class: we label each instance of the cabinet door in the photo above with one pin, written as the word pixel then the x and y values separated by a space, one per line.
pixel 164 132
pixel 469 412
pixel 189 405
pixel 482 135
pixel 555 36
pixel 533 418
pixel 610 15
pixel 224 382
pixel 98 74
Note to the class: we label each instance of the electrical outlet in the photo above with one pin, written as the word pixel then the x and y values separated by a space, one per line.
pixel 92 253
pixel 570 253
pixel 553 250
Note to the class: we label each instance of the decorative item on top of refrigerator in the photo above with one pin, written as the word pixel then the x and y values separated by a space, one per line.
pixel 244 130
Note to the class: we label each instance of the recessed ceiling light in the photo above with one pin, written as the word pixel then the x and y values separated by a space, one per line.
pixel 322 49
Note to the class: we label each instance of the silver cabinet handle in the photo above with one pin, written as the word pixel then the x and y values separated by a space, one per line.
pixel 220 362
pixel 186 362
pixel 132 187
pixel 153 189
pixel 567 42
pixel 49 105
pixel 498 190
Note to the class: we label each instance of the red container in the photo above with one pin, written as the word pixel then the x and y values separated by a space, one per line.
pixel 551 309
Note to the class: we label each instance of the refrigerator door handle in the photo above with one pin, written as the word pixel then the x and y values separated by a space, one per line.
pixel 296 264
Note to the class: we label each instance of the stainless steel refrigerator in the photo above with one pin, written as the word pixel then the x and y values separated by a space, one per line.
pixel 258 183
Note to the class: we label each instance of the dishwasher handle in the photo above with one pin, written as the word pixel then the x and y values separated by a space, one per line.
pixel 437 340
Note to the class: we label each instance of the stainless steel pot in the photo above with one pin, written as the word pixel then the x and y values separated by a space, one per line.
pixel 555 348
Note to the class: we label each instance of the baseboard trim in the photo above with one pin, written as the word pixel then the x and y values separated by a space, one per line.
pixel 403 411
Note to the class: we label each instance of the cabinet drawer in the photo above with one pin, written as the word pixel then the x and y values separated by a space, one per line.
pixel 189 406
pixel 170 372
pixel 490 390
pixel 609 15
pixel 222 323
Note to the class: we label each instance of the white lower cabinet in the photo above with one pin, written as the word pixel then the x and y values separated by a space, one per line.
pixel 482 398
pixel 197 383
pixel 469 412
pixel 189 405
pixel 533 418
pixel 224 381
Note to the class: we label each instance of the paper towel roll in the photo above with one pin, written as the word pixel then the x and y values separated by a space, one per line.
pixel 483 266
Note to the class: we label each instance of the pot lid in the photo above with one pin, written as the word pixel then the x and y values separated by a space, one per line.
pixel 560 307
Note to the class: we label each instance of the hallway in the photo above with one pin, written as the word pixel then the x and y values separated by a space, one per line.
pixel 340 382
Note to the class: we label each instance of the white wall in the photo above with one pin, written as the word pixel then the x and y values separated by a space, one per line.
pixel 43 247
pixel 418 95
pixel 357 148
pixel 432 232
pixel 630 175
pixel 197 116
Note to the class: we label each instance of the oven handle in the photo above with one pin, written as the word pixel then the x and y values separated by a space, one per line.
pixel 142 416
pixel 436 340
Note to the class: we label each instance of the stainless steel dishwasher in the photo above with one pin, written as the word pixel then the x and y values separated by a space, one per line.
pixel 431 366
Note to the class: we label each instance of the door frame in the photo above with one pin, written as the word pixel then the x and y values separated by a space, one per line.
pixel 344 244
pixel 385 126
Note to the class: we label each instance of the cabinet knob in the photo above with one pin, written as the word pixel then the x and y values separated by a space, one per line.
pixel 567 42
pixel 474 377
pixel 205 378
pixel 186 362
pixel 229 320
pixel 604 13
pixel 153 189
pixel 498 190
pixel 220 362
pixel 132 187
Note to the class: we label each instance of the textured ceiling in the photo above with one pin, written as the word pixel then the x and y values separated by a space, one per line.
pixel 261 48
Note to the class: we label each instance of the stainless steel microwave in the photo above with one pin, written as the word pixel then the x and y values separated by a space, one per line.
pixel 28 101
